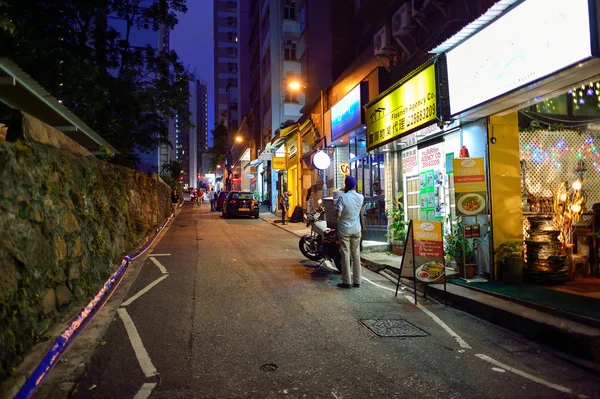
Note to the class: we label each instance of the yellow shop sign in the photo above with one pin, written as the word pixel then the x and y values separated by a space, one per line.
pixel 409 106
pixel 279 163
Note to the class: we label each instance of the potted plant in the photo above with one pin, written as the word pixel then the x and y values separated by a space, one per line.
pixel 457 248
pixel 397 225
pixel 510 261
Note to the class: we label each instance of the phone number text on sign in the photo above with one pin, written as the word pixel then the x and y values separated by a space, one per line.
pixel 409 105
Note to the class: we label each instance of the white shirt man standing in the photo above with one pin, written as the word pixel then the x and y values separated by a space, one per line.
pixel 348 208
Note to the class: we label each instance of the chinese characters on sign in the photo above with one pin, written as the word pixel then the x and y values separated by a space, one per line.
pixel 410 105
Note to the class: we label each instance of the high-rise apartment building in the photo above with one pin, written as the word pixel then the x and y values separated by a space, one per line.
pixel 226 59
pixel 273 62
pixel 202 125
pixel 186 138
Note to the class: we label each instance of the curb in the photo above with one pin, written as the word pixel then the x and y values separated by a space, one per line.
pixel 579 340
pixel 82 320
pixel 573 339
pixel 280 226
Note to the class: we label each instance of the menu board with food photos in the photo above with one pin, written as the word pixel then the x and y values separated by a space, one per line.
pixel 423 258
pixel 469 186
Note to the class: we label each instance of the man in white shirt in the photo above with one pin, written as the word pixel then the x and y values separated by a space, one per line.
pixel 348 208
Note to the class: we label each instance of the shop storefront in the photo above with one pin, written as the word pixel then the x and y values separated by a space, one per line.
pixel 348 135
pixel 526 97
pixel 409 151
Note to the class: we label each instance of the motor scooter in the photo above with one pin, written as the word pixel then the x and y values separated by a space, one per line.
pixel 322 244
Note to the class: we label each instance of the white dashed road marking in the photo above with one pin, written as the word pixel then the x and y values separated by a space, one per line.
pixel 136 342
pixel 460 341
pixel 377 285
pixel 527 375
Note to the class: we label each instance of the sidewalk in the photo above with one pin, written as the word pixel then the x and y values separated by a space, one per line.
pixel 567 333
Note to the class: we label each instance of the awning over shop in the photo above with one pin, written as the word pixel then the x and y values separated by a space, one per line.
pixel 280 137
pixel 490 15
pixel 20 91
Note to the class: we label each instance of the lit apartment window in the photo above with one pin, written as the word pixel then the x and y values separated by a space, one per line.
pixel 289 52
pixel 291 96
pixel 289 11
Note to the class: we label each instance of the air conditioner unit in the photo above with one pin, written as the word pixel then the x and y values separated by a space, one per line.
pixel 420 7
pixel 402 23
pixel 383 42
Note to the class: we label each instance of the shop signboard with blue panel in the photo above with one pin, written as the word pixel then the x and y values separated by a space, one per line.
pixel 346 114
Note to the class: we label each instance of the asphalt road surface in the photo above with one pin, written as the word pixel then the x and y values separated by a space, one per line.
pixel 238 313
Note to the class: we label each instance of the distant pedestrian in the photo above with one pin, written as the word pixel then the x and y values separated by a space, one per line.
pixel 348 208
pixel 213 200
pixel 174 199
pixel 310 203
pixel 284 204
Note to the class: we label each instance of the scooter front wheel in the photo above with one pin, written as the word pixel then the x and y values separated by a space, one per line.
pixel 306 247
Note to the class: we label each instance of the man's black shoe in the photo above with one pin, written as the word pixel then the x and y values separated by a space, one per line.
pixel 356 285
pixel 344 285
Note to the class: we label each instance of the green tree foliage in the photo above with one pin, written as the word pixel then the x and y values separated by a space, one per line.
pixel 125 93
pixel 219 148
pixel 171 173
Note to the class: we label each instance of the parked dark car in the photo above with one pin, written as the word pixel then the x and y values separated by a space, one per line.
pixel 221 199
pixel 240 203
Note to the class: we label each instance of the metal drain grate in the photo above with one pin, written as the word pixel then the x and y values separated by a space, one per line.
pixel 393 328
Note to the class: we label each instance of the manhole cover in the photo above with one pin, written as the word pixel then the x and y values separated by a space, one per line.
pixel 393 328
pixel 268 367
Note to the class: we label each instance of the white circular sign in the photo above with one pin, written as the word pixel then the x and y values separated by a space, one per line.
pixel 250 176
pixel 321 160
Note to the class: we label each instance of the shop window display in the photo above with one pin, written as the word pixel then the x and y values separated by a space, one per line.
pixel 558 149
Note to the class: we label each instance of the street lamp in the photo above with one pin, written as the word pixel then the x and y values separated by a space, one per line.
pixel 296 86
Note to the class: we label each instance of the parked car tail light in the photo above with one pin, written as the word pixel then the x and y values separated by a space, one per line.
pixel 254 202
pixel 231 202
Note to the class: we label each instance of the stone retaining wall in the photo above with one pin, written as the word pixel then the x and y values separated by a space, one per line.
pixel 66 220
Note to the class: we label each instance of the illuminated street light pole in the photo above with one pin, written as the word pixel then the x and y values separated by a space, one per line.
pixel 295 85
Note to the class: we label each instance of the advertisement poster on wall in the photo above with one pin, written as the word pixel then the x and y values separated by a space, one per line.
pixel 431 178
pixel 469 186
pixel 423 258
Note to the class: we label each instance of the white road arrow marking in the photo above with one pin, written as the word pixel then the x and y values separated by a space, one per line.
pixel 145 391
pixel 138 346
pixel 162 269
pixel 142 292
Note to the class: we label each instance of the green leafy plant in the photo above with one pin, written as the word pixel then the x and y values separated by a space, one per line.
pixel 398 226
pixel 508 250
pixel 510 261
pixel 455 244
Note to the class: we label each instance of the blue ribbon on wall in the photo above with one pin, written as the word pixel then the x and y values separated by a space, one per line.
pixel 81 321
